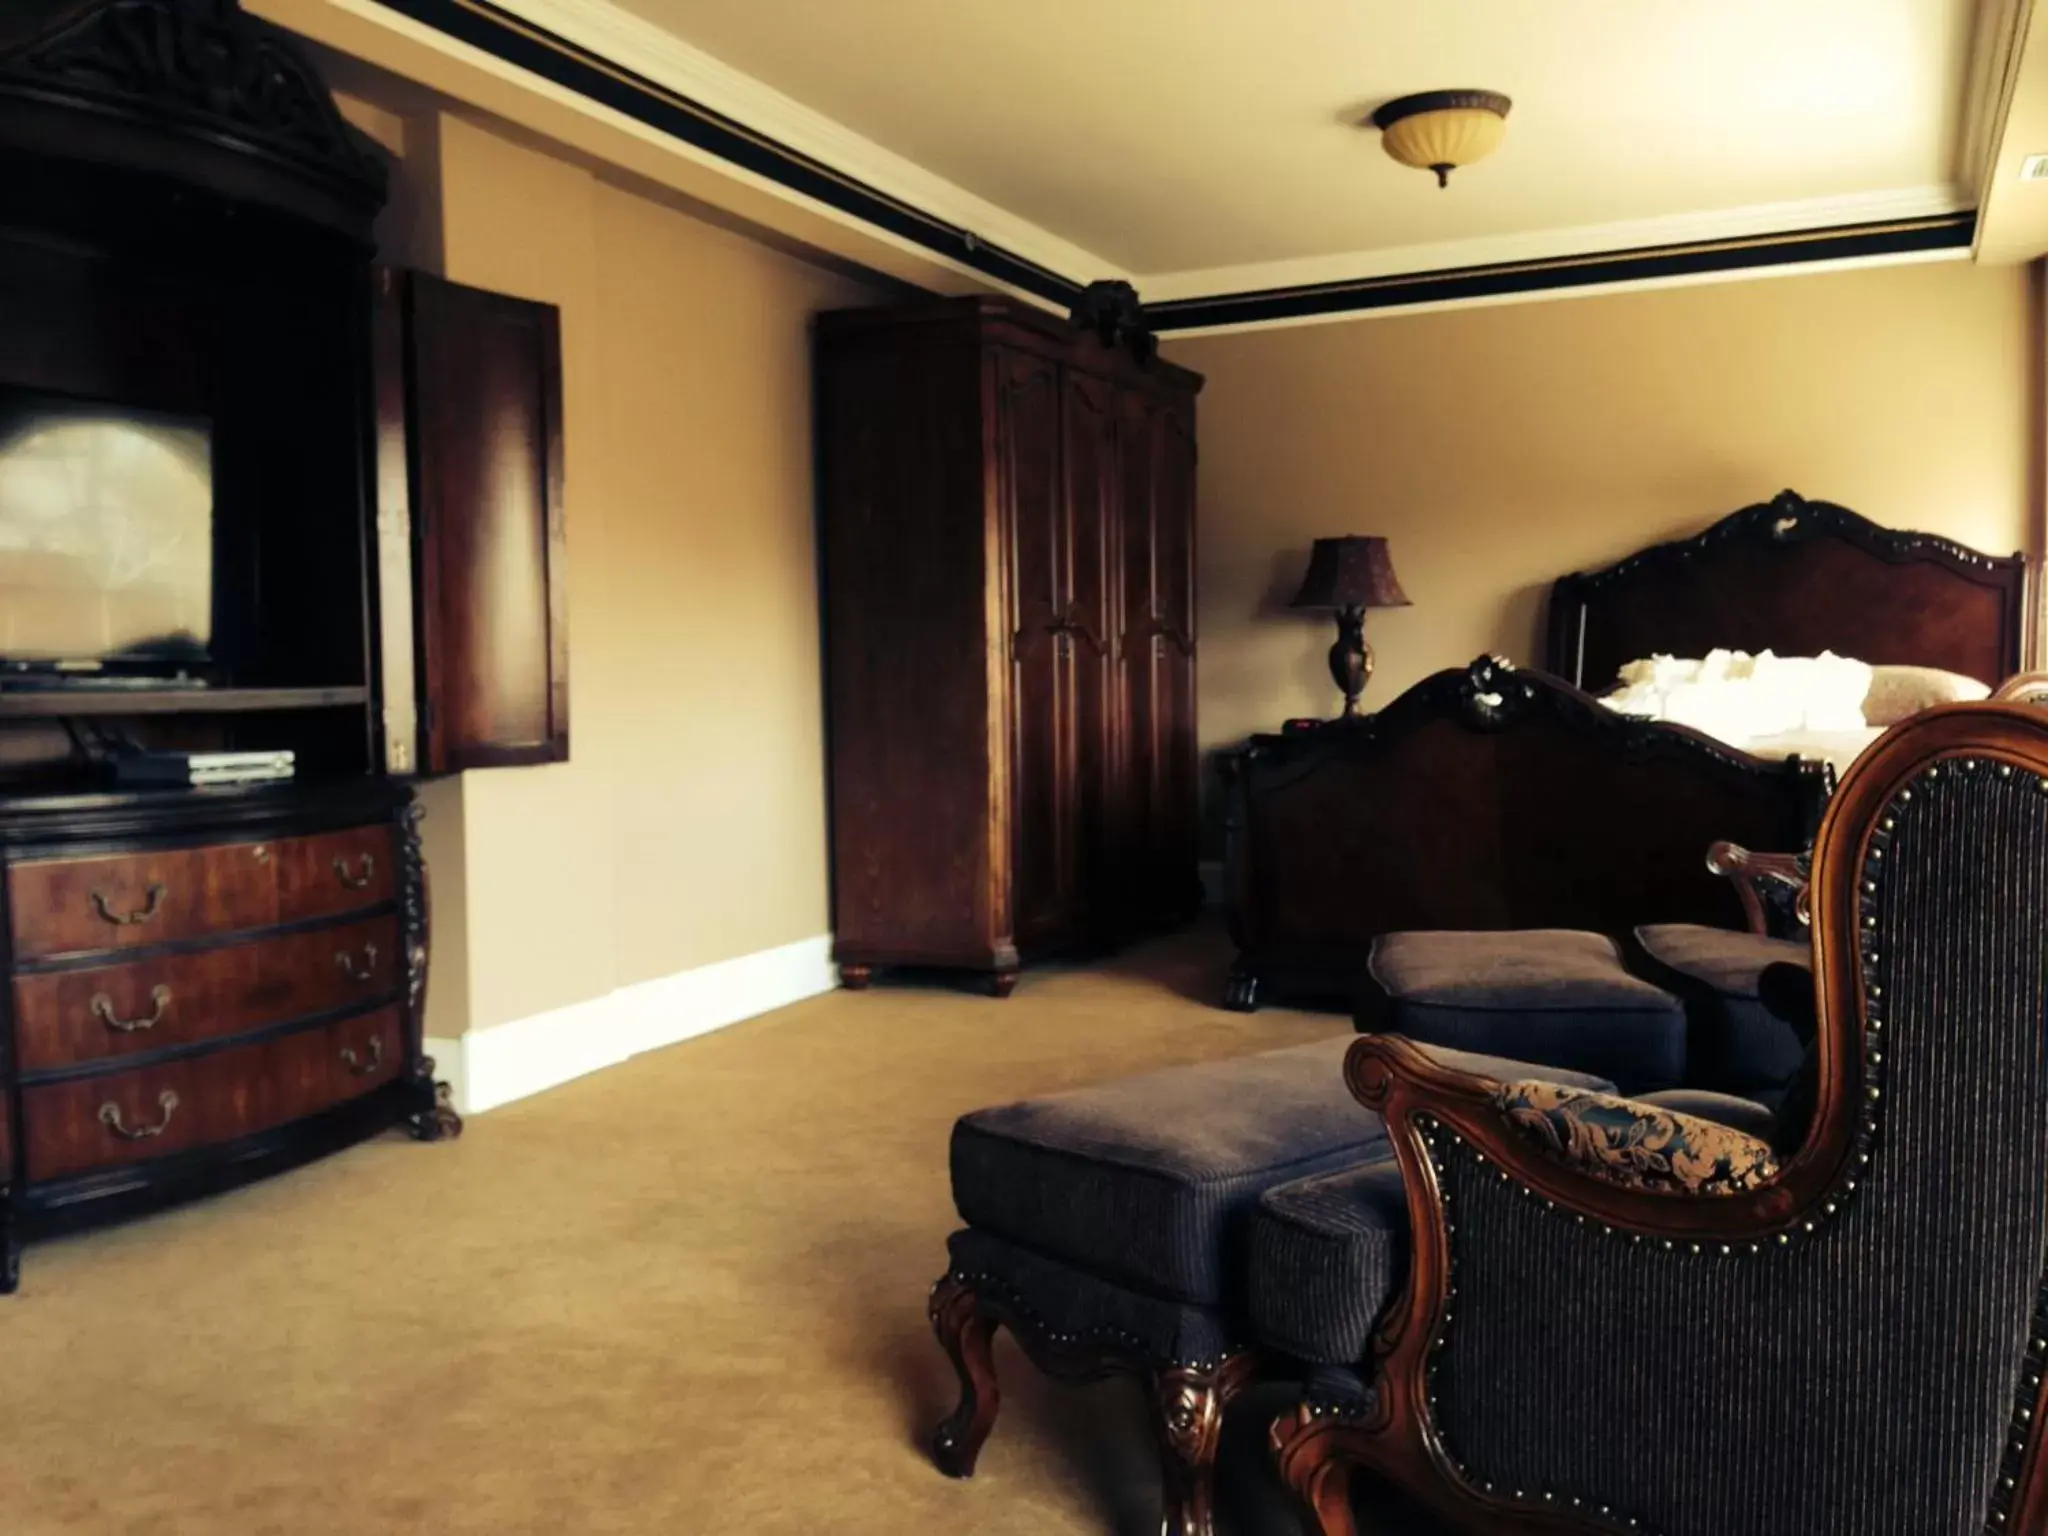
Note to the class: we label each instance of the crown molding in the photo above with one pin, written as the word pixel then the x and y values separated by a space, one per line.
pixel 597 72
pixel 1995 50
pixel 1943 238
pixel 1171 331
pixel 1556 244
pixel 646 50
pixel 482 54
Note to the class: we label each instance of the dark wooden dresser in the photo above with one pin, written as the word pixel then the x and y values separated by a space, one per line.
pixel 1008 530
pixel 204 988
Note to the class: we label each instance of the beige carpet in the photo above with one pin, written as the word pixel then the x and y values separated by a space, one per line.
pixel 685 1295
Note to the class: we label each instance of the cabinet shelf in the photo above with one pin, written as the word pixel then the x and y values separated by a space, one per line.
pixel 59 704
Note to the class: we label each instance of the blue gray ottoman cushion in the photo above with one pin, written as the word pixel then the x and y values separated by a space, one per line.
pixel 1146 1181
pixel 1328 1252
pixel 1735 1043
pixel 1552 996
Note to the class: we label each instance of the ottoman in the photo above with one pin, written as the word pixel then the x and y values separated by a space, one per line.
pixel 1552 996
pixel 1734 1041
pixel 1105 1228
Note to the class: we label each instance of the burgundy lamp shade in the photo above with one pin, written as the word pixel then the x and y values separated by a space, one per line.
pixel 1350 574
pixel 1354 571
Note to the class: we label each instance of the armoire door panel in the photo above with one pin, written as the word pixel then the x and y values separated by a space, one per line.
pixel 1173 524
pixel 1041 773
pixel 1142 659
pixel 1092 525
pixel 1176 825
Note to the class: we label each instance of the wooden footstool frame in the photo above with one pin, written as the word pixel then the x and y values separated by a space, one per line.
pixel 1187 1399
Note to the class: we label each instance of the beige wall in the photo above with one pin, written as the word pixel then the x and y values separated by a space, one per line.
pixel 688 826
pixel 1499 448
pixel 1496 447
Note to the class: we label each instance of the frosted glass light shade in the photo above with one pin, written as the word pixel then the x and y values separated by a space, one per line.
pixel 1442 130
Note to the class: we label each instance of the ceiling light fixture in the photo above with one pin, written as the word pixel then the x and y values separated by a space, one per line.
pixel 1442 130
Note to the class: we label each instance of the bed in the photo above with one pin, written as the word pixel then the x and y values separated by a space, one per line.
pixel 1488 797
pixel 1797 578
pixel 1485 797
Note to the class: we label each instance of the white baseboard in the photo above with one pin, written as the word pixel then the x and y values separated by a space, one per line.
pixel 1212 882
pixel 490 1067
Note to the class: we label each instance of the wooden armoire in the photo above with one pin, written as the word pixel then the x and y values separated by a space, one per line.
pixel 1008 543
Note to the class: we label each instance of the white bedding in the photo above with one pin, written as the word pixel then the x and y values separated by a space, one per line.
pixel 1768 706
pixel 1737 696
pixel 1824 707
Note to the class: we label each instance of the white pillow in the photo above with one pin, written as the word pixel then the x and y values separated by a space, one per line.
pixel 1897 692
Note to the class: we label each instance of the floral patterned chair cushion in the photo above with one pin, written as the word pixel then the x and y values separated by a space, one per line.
pixel 1635 1145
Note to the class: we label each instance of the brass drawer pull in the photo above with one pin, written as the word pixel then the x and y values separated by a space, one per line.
pixel 110 1117
pixel 371 1059
pixel 103 1010
pixel 358 970
pixel 352 881
pixel 141 914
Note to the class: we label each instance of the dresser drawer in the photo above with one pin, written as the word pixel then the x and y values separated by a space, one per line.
pixel 129 1117
pixel 63 1018
pixel 335 872
pixel 121 901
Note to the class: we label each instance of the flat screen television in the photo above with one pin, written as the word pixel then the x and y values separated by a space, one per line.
pixel 106 538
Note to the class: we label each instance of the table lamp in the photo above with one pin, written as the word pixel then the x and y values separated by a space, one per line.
pixel 1350 574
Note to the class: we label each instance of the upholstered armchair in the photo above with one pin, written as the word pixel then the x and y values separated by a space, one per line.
pixel 1612 1319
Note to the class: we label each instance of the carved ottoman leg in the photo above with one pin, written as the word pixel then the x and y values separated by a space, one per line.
pixel 1312 1463
pixel 966 1333
pixel 1191 1400
pixel 856 978
pixel 1002 983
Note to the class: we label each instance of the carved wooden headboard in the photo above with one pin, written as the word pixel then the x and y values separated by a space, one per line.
pixel 1797 577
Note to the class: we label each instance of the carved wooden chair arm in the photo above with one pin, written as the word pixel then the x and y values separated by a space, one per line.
pixel 2023 688
pixel 1752 873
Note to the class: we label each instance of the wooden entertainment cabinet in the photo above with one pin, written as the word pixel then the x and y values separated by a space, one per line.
pixel 204 985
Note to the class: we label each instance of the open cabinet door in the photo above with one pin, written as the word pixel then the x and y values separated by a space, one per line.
pixel 482 388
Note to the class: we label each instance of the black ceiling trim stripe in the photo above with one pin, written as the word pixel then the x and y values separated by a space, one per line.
pixel 1947 232
pixel 532 48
